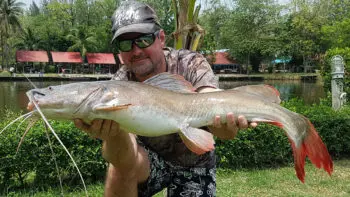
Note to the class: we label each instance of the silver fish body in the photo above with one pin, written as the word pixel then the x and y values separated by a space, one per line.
pixel 146 110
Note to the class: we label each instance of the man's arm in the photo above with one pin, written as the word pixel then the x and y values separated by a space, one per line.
pixel 233 125
pixel 129 164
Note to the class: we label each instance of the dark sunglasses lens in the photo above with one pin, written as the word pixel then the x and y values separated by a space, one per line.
pixel 125 45
pixel 145 41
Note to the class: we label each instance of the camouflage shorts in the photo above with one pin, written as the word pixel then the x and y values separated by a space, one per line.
pixel 179 181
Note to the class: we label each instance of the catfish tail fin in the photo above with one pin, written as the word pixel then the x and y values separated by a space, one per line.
pixel 313 147
pixel 316 150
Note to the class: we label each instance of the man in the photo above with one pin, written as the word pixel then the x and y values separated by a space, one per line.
pixel 142 166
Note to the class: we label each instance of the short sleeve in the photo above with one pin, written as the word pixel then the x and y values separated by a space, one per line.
pixel 192 66
pixel 200 74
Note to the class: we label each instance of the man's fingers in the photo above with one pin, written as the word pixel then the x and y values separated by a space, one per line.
pixel 96 125
pixel 106 125
pixel 253 124
pixel 114 128
pixel 232 125
pixel 78 123
pixel 242 122
pixel 231 122
pixel 217 122
pixel 81 125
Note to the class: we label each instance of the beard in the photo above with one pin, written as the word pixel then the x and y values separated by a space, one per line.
pixel 143 70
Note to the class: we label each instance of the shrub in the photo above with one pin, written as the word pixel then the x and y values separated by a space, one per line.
pixel 268 146
pixel 34 162
pixel 5 74
pixel 261 147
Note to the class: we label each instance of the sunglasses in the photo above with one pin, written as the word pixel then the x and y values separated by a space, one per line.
pixel 142 42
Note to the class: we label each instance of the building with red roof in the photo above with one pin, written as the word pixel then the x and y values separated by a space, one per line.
pixel 222 63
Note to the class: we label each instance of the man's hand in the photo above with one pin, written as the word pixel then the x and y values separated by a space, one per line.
pixel 230 129
pixel 102 129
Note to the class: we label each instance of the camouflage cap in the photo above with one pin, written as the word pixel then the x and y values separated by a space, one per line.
pixel 133 16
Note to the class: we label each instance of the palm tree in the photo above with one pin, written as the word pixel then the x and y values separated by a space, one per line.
pixel 82 40
pixel 187 32
pixel 10 10
pixel 29 41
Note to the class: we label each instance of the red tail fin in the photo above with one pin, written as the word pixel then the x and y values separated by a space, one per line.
pixel 313 147
pixel 317 151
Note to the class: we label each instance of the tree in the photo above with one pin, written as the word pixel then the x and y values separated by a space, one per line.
pixel 335 34
pixel 29 41
pixel 305 25
pixel 251 31
pixel 10 11
pixel 34 10
pixel 165 13
pixel 213 20
pixel 187 32
pixel 82 40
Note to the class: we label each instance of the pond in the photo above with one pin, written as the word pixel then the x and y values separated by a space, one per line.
pixel 13 97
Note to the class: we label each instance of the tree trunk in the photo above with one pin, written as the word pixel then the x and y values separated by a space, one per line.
pixel 304 63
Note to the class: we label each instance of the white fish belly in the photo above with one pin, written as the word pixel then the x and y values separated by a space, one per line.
pixel 150 123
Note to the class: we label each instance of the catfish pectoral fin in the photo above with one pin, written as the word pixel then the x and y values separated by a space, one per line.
pixel 197 140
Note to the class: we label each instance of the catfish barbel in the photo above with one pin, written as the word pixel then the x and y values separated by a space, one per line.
pixel 166 104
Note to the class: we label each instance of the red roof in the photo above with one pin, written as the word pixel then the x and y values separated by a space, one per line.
pixel 66 57
pixel 100 58
pixel 222 58
pixel 32 56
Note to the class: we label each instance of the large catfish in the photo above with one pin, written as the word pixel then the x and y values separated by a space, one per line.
pixel 166 104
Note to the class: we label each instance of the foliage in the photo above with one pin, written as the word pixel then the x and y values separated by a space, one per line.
pixel 263 147
pixel 305 25
pixel 82 39
pixel 5 74
pixel 268 146
pixel 34 163
pixel 326 71
pixel 187 31
pixel 252 31
pixel 10 10
pixel 165 13
pixel 213 20
pixel 255 32
pixel 29 41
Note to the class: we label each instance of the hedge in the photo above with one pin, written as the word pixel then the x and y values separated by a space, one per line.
pixel 267 146
pixel 263 147
pixel 34 163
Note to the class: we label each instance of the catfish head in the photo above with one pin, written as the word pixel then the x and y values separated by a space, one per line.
pixel 64 101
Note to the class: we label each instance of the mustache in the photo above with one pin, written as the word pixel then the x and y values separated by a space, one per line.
pixel 137 57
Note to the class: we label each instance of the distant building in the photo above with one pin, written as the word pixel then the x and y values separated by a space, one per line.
pixel 222 63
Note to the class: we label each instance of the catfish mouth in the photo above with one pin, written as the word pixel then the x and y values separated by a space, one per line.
pixel 39 99
pixel 33 97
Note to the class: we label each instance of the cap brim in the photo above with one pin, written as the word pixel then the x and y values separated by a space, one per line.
pixel 144 28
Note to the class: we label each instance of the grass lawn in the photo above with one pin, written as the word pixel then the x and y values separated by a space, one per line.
pixel 268 182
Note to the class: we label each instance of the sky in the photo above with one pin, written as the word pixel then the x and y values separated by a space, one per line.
pixel 28 2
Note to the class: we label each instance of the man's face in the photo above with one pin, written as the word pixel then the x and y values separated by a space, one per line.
pixel 144 62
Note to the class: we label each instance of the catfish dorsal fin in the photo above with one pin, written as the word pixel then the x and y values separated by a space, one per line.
pixel 171 82
pixel 263 91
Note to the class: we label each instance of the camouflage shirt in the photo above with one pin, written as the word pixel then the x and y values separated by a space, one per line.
pixel 195 69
